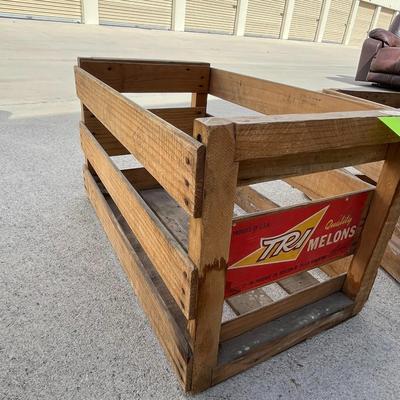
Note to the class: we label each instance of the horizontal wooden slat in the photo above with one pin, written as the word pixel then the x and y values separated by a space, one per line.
pixel 272 338
pixel 255 318
pixel 148 76
pixel 168 257
pixel 174 158
pixel 327 184
pixel 274 98
pixel 264 169
pixel 352 95
pixel 181 118
pixel 140 179
pixel 390 99
pixel 280 135
pixel 164 325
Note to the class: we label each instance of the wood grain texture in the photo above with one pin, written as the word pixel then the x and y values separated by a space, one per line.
pixel 384 99
pixel 265 169
pixel 209 238
pixel 274 98
pixel 280 135
pixel 182 118
pixel 298 282
pixel 168 257
pixel 237 326
pixel 249 301
pixel 137 76
pixel 140 179
pixel 367 104
pixel 171 156
pixel 250 200
pixel 164 325
pixel 261 343
pixel 383 214
pixel 328 184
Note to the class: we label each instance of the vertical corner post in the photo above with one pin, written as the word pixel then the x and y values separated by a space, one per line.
pixel 381 220
pixel 209 239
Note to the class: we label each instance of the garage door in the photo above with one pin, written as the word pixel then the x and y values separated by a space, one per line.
pixel 69 10
pixel 336 23
pixel 362 24
pixel 305 19
pixel 385 17
pixel 210 16
pixel 264 18
pixel 146 13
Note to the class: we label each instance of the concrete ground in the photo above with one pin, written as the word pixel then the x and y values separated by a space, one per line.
pixel 70 326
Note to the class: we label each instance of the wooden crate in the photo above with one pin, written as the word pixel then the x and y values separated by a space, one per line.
pixel 172 222
pixel 377 100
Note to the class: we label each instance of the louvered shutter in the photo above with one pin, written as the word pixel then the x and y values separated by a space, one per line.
pixel 146 13
pixel 210 16
pixel 69 10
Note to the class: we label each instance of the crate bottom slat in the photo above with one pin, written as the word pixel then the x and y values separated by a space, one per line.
pixel 271 338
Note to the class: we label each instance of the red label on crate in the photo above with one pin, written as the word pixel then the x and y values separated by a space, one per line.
pixel 273 245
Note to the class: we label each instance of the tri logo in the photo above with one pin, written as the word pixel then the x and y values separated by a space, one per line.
pixel 284 247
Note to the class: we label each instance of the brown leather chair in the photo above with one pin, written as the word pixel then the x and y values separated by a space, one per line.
pixel 380 56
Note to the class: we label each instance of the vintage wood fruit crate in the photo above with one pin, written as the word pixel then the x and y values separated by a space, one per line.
pixel 174 221
pixel 377 100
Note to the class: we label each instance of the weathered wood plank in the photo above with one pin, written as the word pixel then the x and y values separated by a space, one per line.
pixel 181 118
pixel 250 200
pixel 379 98
pixel 168 257
pixel 298 282
pixel 274 98
pixel 264 169
pixel 237 326
pixel 383 214
pixel 139 76
pixel 175 159
pixel 249 301
pixel 327 184
pixel 209 238
pixel 367 104
pixel 261 343
pixel 280 135
pixel 164 325
pixel 140 179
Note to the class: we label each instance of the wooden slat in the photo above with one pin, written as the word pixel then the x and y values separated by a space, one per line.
pixel 371 170
pixel 209 238
pixel 246 302
pixel 383 214
pixel 164 325
pixel 255 318
pixel 182 118
pixel 274 98
pixel 164 251
pixel 327 184
pixel 276 136
pixel 261 343
pixel 264 169
pixel 298 282
pixel 140 179
pixel 351 95
pixel 171 156
pixel 389 99
pixel 149 76
pixel 250 200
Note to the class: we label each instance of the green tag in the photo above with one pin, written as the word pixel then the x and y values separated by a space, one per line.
pixel 392 123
